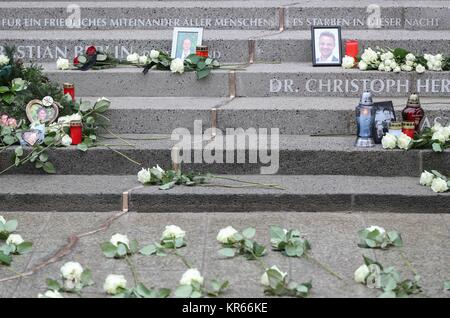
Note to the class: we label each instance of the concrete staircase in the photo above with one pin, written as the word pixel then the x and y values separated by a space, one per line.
pixel 278 88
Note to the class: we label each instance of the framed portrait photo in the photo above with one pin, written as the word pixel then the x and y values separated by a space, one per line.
pixel 185 41
pixel 384 115
pixel 326 45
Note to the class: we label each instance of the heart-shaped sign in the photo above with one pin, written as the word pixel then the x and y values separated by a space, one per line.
pixel 37 112
pixel 31 137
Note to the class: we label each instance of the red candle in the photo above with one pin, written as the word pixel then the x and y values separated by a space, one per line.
pixel 351 48
pixel 76 132
pixel 408 128
pixel 69 88
pixel 202 50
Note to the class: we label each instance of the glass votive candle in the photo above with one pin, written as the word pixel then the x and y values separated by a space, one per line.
pixel 395 128
pixel 408 128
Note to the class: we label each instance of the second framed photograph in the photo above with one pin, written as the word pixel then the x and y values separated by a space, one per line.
pixel 326 46
pixel 384 115
pixel 185 41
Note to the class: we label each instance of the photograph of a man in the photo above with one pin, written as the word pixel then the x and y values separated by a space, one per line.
pixel 327 46
pixel 185 41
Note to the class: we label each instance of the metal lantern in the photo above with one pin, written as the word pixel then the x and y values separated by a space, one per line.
pixel 365 120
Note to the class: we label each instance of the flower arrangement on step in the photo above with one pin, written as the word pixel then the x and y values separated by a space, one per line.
pixel 93 58
pixel 167 179
pixel 161 60
pixel 35 115
pixel 435 180
pixel 396 60
pixel 436 138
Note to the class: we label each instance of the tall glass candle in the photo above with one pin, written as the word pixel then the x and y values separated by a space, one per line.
pixel 69 88
pixel 351 48
pixel 76 132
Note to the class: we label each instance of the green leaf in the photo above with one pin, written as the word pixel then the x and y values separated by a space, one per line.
pixel 447 285
pixel 52 284
pixel 249 232
pixel 437 147
pixel 277 232
pixel 43 157
pixel 183 291
pixel 4 89
pixel 143 291
pixel 5 259
pixel 8 98
pixel 24 247
pixel 202 73
pixel 11 226
pixel 86 106
pixel 148 250
pixel 134 246
pixel 121 249
pixel 9 140
pixel 388 294
pixel 108 249
pixel 163 293
pixel 102 106
pixel 49 140
pixel 227 252
pixel 49 168
pixel 19 151
pixel 370 243
pixel 400 53
pixel 291 250
pixel 86 277
pixel 82 147
pixel 167 186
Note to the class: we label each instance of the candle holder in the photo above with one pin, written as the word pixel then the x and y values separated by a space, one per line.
pixel 202 50
pixel 413 111
pixel 395 128
pixel 69 88
pixel 365 120
pixel 76 132
pixel 351 48
pixel 408 128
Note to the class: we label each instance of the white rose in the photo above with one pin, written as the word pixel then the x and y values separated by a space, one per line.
pixel 361 274
pixel 410 57
pixel 381 67
pixel 362 65
pixel 154 54
pixel 387 68
pixel 133 58
pixel 143 59
pixel 436 127
pixel 369 56
pixel 389 141
pixel 62 64
pixel 393 65
pixel 66 141
pixel 72 271
pixel 404 141
pixel 389 55
pixel 15 239
pixel 409 63
pixel 439 185
pixel 426 178
pixel 3 59
pixel 2 219
pixel 113 283
pixel 348 62
pixel 75 117
pixel 265 277
pixel 191 275
pixel 144 176
pixel 119 238
pixel 226 235
pixel 173 232
pixel 102 99
pixel 440 135
pixel 397 69
pixel 383 56
pixel 375 227
pixel 177 66
pixel 50 294
pixel 406 68
pixel 388 62
pixel 446 131
pixel 438 56
pixel 420 68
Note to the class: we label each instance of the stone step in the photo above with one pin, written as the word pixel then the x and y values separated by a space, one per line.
pixel 302 193
pixel 297 154
pixel 256 80
pixel 253 14
pixel 235 46
pixel 292 115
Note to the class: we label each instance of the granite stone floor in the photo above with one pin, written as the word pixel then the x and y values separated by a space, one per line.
pixel 333 237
